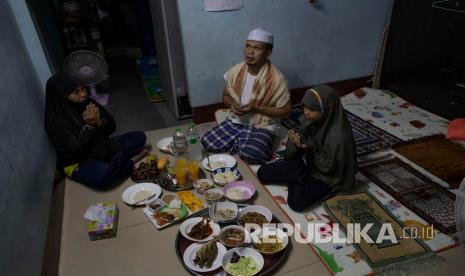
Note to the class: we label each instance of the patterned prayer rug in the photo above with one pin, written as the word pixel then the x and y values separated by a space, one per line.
pixel 438 155
pixel 423 196
pixel 393 114
pixel 367 137
pixel 341 258
pixel 385 255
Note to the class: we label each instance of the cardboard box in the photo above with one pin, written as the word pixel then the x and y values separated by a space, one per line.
pixel 105 227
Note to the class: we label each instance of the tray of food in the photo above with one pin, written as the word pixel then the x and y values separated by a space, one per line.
pixel 173 208
pixel 233 250
pixel 170 181
pixel 149 170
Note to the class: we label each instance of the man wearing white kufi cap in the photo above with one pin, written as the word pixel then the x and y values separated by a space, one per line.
pixel 258 97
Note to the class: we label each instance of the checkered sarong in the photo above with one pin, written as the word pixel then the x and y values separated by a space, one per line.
pixel 253 145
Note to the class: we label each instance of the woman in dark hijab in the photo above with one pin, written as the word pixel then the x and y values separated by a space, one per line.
pixel 79 128
pixel 320 158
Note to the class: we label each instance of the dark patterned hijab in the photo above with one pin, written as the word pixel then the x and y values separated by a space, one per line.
pixel 332 158
pixel 58 109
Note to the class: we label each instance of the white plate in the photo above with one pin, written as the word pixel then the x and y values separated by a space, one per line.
pixel 227 159
pixel 246 252
pixel 258 209
pixel 164 145
pixel 187 225
pixel 221 206
pixel 199 181
pixel 189 256
pixel 129 193
pixel 271 231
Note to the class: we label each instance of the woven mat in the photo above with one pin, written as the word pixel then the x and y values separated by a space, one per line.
pixel 363 208
pixel 369 138
pixel 343 259
pixel 423 196
pixel 439 156
pixel 393 114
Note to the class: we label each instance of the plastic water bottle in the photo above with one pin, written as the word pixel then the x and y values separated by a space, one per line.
pixel 179 141
pixel 193 143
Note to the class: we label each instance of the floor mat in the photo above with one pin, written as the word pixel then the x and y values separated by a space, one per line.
pixel 343 258
pixel 369 138
pixel 397 251
pixel 426 198
pixel 150 75
pixel 393 114
pixel 438 155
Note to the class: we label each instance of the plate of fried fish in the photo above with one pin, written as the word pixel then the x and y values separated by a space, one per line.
pixel 199 229
pixel 204 257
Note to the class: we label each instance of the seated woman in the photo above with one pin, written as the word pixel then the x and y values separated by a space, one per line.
pixel 320 159
pixel 79 129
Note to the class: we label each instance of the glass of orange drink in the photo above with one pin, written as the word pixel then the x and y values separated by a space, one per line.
pixel 193 168
pixel 180 173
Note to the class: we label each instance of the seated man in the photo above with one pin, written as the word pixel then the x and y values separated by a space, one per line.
pixel 257 95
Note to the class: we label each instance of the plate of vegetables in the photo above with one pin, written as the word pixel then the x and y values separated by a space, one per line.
pixel 242 261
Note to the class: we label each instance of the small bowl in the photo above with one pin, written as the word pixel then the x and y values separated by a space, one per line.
pixel 209 197
pixel 257 209
pixel 246 252
pixel 216 175
pixel 223 206
pixel 167 198
pixel 239 191
pixel 155 204
pixel 268 231
pixel 201 185
pixel 236 227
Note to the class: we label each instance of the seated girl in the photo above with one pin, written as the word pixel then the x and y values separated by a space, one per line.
pixel 320 158
pixel 79 129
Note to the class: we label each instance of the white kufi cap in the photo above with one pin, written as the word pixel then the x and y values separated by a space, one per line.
pixel 260 34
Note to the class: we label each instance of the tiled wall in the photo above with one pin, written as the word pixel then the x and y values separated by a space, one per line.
pixel 26 157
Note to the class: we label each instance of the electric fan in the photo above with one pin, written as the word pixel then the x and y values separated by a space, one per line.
pixel 90 68
pixel 460 213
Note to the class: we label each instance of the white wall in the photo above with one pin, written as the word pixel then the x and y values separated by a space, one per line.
pixel 31 40
pixel 27 159
pixel 329 41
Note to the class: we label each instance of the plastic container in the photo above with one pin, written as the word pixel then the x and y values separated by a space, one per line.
pixel 193 143
pixel 179 142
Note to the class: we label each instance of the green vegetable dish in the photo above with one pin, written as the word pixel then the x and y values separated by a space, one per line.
pixel 242 266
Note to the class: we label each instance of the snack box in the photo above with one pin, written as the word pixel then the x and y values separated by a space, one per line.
pixel 106 226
